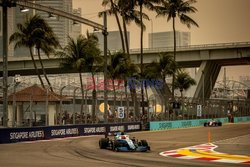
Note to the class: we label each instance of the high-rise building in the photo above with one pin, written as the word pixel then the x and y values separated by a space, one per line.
pixel 10 30
pixel 62 27
pixel 114 40
pixel 76 27
pixel 166 39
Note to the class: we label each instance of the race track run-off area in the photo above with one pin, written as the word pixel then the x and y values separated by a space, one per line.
pixel 181 148
pixel 205 152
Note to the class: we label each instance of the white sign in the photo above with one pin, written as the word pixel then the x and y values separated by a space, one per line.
pixel 121 112
pixel 199 110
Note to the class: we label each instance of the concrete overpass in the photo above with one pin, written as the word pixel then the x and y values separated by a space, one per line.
pixel 209 58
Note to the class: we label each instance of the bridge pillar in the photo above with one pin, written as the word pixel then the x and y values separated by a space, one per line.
pixel 205 79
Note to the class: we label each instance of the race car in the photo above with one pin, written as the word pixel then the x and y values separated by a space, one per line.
pixel 212 123
pixel 123 143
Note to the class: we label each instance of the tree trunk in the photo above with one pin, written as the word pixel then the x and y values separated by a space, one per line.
pixel 119 25
pixel 86 106
pixel 114 91
pixel 125 34
pixel 127 100
pixel 82 91
pixel 94 99
pixel 37 72
pixel 135 101
pixel 146 92
pixel 174 57
pixel 142 89
pixel 44 72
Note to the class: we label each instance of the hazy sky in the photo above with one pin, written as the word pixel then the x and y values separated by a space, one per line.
pixel 220 21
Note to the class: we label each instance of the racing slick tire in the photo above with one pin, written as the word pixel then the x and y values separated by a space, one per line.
pixel 219 124
pixel 145 143
pixel 115 146
pixel 103 143
pixel 205 124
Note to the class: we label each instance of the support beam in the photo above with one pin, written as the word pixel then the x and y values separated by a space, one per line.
pixel 205 78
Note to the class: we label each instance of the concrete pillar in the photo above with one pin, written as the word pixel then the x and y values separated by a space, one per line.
pixel 10 118
pixel 51 113
pixel 19 117
pixel 210 71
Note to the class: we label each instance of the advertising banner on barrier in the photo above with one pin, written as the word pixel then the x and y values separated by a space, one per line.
pixel 13 135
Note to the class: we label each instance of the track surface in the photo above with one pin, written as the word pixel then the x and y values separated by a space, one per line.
pixel 84 151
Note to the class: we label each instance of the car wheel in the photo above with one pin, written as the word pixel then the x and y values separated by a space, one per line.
pixel 103 143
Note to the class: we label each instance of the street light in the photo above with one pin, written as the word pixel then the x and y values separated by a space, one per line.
pixel 23 9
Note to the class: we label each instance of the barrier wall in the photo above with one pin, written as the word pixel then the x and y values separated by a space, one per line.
pixel 241 119
pixel 162 125
pixel 12 135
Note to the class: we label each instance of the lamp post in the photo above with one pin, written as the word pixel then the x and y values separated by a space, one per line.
pixel 5 4
pixel 47 107
pixel 203 87
pixel 74 105
pixel 105 34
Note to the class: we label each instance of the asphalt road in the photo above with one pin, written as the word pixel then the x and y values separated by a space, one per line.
pixel 84 151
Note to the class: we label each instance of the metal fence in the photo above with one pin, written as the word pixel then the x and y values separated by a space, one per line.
pixel 67 110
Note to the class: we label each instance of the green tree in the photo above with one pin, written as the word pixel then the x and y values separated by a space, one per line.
pixel 161 69
pixel 114 11
pixel 149 4
pixel 131 70
pixel 116 68
pixel 127 14
pixel 82 55
pixel 27 35
pixel 177 8
pixel 47 42
pixel 183 82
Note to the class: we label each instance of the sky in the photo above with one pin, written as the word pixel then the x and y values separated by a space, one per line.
pixel 220 21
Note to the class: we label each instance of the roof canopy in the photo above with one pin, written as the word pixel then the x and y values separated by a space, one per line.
pixel 36 94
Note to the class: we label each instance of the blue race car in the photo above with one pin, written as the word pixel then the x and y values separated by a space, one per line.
pixel 123 143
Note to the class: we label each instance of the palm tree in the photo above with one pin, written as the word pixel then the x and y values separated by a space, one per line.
pixel 177 8
pixel 116 69
pixel 47 42
pixel 113 10
pixel 74 58
pixel 160 69
pixel 81 56
pixel 183 82
pixel 131 70
pixel 165 66
pixel 149 4
pixel 26 36
pixel 93 59
pixel 128 14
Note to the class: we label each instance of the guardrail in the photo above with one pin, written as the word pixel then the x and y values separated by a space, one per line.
pixel 156 49
pixel 13 135
pixel 241 119
pixel 164 125
pixel 192 47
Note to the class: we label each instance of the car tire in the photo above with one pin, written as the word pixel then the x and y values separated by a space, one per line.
pixel 219 124
pixel 145 144
pixel 205 124
pixel 103 143
pixel 115 145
